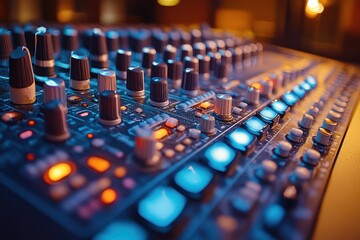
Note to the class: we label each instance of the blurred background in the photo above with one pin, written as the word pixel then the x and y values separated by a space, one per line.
pixel 329 28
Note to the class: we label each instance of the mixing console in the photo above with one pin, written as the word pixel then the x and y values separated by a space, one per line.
pixel 147 133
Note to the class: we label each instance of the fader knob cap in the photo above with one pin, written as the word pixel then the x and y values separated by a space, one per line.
pixel 109 108
pixel 311 157
pixel 252 95
pixel 335 116
pixel 313 111
pixel 56 127
pixel 283 149
pixel 159 92
pixel 329 124
pixel 54 89
pixel 323 136
pixel 295 135
pixel 106 81
pixel 306 121
pixel 146 153
pixel 207 124
pixel 135 82
pixel 223 106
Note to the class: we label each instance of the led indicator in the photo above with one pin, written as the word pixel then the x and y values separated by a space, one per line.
pixel 240 139
pixel 108 196
pixel 58 172
pixel 219 156
pixel 98 164
pixel 160 133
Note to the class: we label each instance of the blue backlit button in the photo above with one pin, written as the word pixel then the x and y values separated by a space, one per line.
pixel 304 85
pixel 241 140
pixel 311 80
pixel 280 107
pixel 269 116
pixel 273 216
pixel 220 157
pixel 257 127
pixel 161 207
pixel 299 92
pixel 195 180
pixel 290 98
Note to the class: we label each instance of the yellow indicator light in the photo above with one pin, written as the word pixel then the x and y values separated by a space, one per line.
pixel 161 133
pixel 168 3
pixel 98 164
pixel 205 105
pixel 58 172
pixel 256 85
pixel 108 196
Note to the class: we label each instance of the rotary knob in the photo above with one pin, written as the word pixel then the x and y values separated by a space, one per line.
pixel 335 116
pixel 146 153
pixel 186 50
pixel 5 47
pixel 44 54
pixel 252 95
pixel 190 83
pixel 56 127
pixel 135 82
pixel 306 121
pixel 54 89
pixel 283 149
pixel 223 107
pixel 148 56
pixel 174 70
pixel 313 111
pixel 323 136
pixel 98 50
pixel 159 69
pixel 329 124
pixel 266 170
pixel 79 71
pixel 311 157
pixel 109 108
pixel 169 52
pixel 112 41
pixel 221 72
pixel 199 49
pixel 266 87
pixel 207 124
pixel 191 62
pixel 69 39
pixel 18 37
pixel 295 135
pixel 106 81
pixel 204 67
pixel 159 92
pixel 123 61
pixel 215 59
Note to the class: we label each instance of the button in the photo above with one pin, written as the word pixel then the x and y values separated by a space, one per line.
pixel 266 170
pixel 269 116
pixel 169 153
pixel 207 124
pixel 257 127
pixel 283 149
pixel 329 125
pixel 299 92
pixel 306 121
pixel 304 85
pixel 323 136
pixel 252 96
pixel 160 133
pixel 223 107
pixel 98 164
pixel 311 80
pixel 243 106
pixel 194 133
pixel 171 122
pixel 279 107
pixel 241 140
pixel 220 157
pixel 295 135
pixel 311 157
pixel 152 207
pixel 179 147
pixel 194 179
pixel 340 103
pixel 335 116
pixel 290 98
pixel 58 172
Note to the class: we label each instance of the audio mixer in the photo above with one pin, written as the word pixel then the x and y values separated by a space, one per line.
pixel 146 132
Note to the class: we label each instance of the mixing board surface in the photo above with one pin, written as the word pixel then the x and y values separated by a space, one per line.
pixel 146 133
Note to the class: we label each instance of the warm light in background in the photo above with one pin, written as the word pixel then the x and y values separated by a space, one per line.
pixel 168 3
pixel 313 8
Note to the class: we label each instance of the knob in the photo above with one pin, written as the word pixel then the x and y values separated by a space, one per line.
pixel 319 104
pixel 211 46
pixel 123 39
pixel 18 37
pixel 323 136
pixel 199 49
pixel 204 67
pixel 223 106
pixel 266 170
pixel 135 82
pixel 21 77
pixel 30 39
pixel 207 124
pixel 159 92
pixel 283 149
pixel 69 42
pixel 191 62
pixel 174 38
pixel 306 121
pixel 334 116
pixel 311 157
pixel 266 87
pixel 300 175
pixel 123 61
pixel 252 96
pixel 148 56
pixel 44 54
pixel 98 50
pixel 106 81
pixel 159 69
pixel 112 41
pixel 109 108
pixel 195 35
pixel 5 47
pixel 313 111
pixel 174 70
pixel 215 59
pixel 138 39
pixel 329 125
pixel 79 71
pixel 190 83
pixel 146 153
pixel 54 89
pixel 86 38
pixel 237 56
pixel 169 52
pixel 338 109
pixel 55 40
pixel 221 72
pixel 159 40
pixel 340 103
pixel 56 127
pixel 295 135
pixel 186 50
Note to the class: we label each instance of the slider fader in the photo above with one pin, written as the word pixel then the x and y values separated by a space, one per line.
pixel 143 132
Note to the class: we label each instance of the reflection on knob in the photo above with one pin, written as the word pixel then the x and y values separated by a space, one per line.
pixel 329 124
pixel 252 95
pixel 306 121
pixel 146 153
pixel 56 127
pixel 283 149
pixel 295 135
pixel 207 124
pixel 223 107
pixel 106 81
pixel 109 108
pixel 54 89
pixel 323 136
pixel 311 157
pixel 135 82
pixel 159 92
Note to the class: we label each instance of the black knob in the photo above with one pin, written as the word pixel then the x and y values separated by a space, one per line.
pixel 135 82
pixel 148 56
pixel 195 36
pixel 123 61
pixel 204 65
pixel 18 37
pixel 139 39
pixel 190 83
pixel 30 39
pixel 5 47
pixel 55 40
pixel 123 39
pixel 21 77
pixel 56 127
pixel 98 50
pixel 159 40
pixel 210 46
pixel 174 69
pixel 44 54
pixel 174 38
pixel 69 39
pixel 215 59
pixel 109 108
pixel 199 49
pixel 191 62
pixel 186 50
pixel 79 71
pixel 169 52
pixel 159 69
pixel 159 92
pixel 221 71
pixel 112 41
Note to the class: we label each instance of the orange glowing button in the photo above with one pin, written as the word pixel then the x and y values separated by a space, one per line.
pixel 58 172
pixel 256 85
pixel 205 105
pixel 120 172
pixel 31 123
pixel 89 135
pixel 98 164
pixel 108 196
pixel 160 133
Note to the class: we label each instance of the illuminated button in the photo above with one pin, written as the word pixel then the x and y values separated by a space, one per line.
pixel 161 207
pixel 172 122
pixel 205 105
pixel 268 115
pixel 98 164
pixel 179 147
pixel 242 140
pixel 194 179
pixel 304 85
pixel 120 172
pixel 160 133
pixel 299 92
pixel 108 196
pixel 290 98
pixel 280 107
pixel 257 127
pixel 26 134
pixel 58 172
pixel 12 117
pixel 311 80
pixel 220 157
